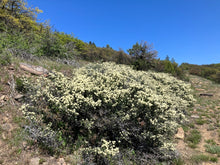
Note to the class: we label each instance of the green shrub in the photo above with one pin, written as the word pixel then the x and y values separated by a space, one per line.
pixel 200 121
pixel 203 158
pixel 210 141
pixel 19 84
pixel 112 106
pixel 193 138
pixel 5 57
pixel 213 149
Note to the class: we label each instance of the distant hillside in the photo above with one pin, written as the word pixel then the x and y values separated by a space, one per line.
pixel 211 71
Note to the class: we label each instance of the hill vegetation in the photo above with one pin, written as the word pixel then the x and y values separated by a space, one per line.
pixel 23 36
pixel 115 110
pixel 211 72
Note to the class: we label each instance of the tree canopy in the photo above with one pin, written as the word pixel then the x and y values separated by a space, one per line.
pixel 143 50
pixel 17 14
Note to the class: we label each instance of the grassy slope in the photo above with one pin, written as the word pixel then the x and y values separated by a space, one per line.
pixel 14 147
pixel 204 118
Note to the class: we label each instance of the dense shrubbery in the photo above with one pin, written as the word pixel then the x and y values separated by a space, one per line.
pixel 211 72
pixel 111 106
pixel 171 67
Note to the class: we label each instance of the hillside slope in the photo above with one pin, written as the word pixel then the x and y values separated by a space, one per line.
pixel 16 148
pixel 211 72
pixel 202 132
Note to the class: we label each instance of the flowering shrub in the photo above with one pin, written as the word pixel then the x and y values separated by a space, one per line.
pixel 110 104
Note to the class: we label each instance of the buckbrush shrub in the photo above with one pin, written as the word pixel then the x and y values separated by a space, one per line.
pixel 110 104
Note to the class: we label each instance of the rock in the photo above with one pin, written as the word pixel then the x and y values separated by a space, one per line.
pixel 24 144
pixel 61 161
pixel 2 97
pixel 198 89
pixel 195 116
pixel 4 136
pixel 52 160
pixel 205 163
pixel 180 133
pixel 34 161
pixel 18 97
pixel 11 67
pixel 37 70
pixel 206 94
pixel 4 119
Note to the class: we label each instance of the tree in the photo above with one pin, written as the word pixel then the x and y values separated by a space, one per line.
pixel 167 58
pixel 143 55
pixel 16 13
pixel 108 46
pixel 143 51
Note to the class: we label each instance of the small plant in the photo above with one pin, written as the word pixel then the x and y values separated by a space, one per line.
pixel 18 151
pixel 210 141
pixel 200 110
pixel 214 159
pixel 203 158
pixel 18 137
pixel 191 125
pixel 185 128
pixel 200 121
pixel 5 57
pixel 178 161
pixel 42 160
pixel 19 84
pixel 193 138
pixel 213 149
pixel 211 128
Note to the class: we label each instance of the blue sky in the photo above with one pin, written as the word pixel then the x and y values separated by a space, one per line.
pixel 186 30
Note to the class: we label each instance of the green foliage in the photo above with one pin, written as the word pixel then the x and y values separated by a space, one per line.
pixel 200 121
pixel 193 138
pixel 93 53
pixel 213 149
pixel 140 64
pixel 143 55
pixel 51 45
pixel 5 57
pixel 170 67
pixel 142 51
pixel 17 14
pixel 210 141
pixel 112 106
pixel 19 84
pixel 211 72
pixel 178 161
pixel 26 38
pixel 203 158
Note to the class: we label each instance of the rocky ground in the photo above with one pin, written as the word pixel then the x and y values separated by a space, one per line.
pixel 204 118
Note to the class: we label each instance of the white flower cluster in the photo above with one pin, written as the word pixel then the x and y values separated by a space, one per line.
pixel 107 148
pixel 149 105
